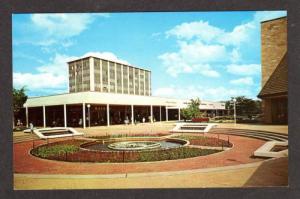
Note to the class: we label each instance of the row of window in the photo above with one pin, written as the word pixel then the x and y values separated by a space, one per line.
pixel 79 76
pixel 135 80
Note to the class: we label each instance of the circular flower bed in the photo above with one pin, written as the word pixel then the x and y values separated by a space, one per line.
pixel 77 150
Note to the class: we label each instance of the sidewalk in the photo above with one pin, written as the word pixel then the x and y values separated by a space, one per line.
pixel 270 173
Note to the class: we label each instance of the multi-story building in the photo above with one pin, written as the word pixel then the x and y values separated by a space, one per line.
pixel 102 75
pixel 274 81
pixel 105 92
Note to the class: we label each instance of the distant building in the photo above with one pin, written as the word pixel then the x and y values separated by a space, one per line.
pixel 98 74
pixel 105 92
pixel 274 81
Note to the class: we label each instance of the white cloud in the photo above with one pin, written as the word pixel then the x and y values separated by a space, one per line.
pixel 235 55
pixel 244 69
pixel 57 29
pixel 205 32
pixel 164 91
pixel 38 81
pixel 106 55
pixel 202 46
pixel 210 73
pixel 202 30
pixel 52 77
pixel 243 81
pixel 197 52
pixel 204 93
pixel 194 57
pixel 57 66
pixel 62 25
pixel 240 34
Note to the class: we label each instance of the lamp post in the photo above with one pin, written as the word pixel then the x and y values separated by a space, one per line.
pixel 89 114
pixel 234 110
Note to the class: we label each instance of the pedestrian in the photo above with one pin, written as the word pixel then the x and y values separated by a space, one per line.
pixel 80 122
pixel 31 127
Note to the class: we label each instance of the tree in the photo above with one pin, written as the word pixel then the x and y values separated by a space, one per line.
pixel 245 106
pixel 19 98
pixel 192 111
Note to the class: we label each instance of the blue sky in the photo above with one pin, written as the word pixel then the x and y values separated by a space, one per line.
pixel 211 55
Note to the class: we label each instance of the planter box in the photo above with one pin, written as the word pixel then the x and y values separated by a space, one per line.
pixel 201 119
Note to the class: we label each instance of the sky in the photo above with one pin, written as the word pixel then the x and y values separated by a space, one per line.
pixel 210 55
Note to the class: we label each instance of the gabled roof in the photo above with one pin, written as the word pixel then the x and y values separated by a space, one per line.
pixel 277 84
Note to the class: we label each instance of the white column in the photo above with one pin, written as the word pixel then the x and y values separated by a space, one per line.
pixel 44 116
pixel 160 113
pixel 149 79
pixel 107 114
pixel 144 82
pixel 26 111
pixel 139 81
pixel 179 114
pixel 133 80
pixel 122 80
pixel 108 78
pixel 128 79
pixel 101 75
pixel 167 119
pixel 83 115
pixel 151 111
pixel 116 82
pixel 65 115
pixel 92 74
pixel 132 115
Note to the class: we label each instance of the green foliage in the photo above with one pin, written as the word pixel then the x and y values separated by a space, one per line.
pixel 192 111
pixel 47 151
pixel 190 137
pixel 245 106
pixel 19 98
pixel 173 154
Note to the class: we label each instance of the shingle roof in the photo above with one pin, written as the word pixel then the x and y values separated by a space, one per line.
pixel 278 81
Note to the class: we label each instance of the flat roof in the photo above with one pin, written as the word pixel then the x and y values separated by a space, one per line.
pixel 94 97
pixel 118 62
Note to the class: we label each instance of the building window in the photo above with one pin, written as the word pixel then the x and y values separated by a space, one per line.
pixel 136 81
pixel 125 79
pixel 105 75
pixel 119 78
pixel 112 82
pixel 97 74
pixel 131 80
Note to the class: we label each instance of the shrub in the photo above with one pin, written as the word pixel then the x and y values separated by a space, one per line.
pixel 173 154
pixel 56 150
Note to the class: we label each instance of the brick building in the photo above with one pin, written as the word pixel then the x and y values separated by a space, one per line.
pixel 274 81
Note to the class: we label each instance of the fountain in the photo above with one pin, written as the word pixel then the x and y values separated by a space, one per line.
pixel 134 145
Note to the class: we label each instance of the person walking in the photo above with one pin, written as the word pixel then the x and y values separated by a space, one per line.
pixel 31 127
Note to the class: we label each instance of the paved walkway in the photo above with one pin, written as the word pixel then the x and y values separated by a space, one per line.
pixel 262 127
pixel 269 173
pixel 251 173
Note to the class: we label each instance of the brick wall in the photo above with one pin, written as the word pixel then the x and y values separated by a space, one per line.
pixel 273 45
